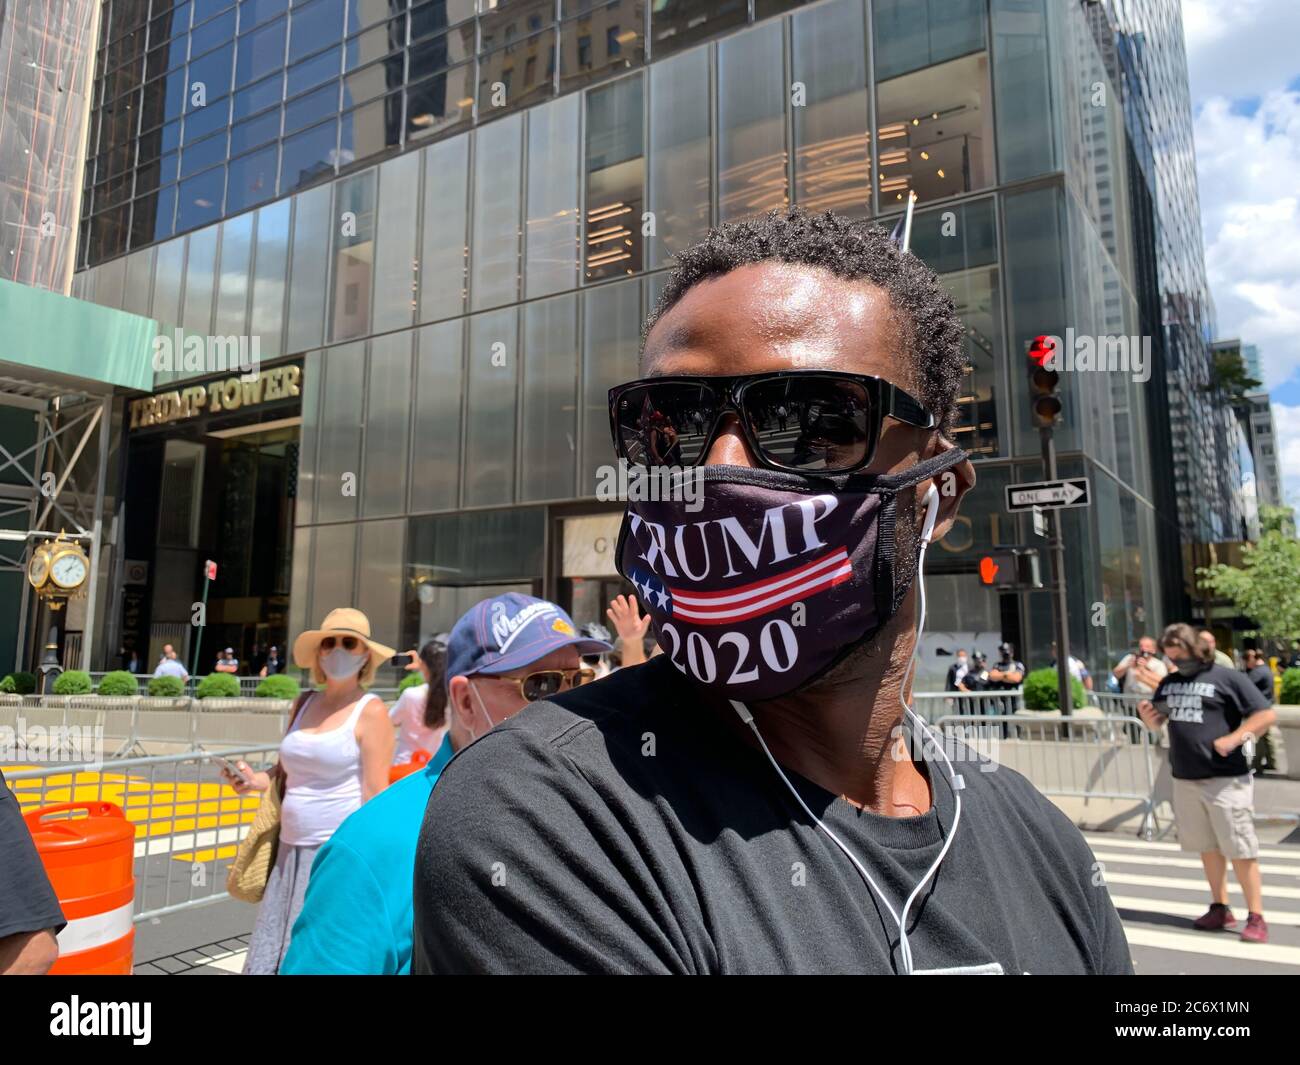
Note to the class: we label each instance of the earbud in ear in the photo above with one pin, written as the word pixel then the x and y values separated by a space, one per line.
pixel 931 502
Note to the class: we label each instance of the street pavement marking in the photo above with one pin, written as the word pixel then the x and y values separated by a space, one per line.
pixel 1178 908
pixel 183 846
pixel 1221 945
pixel 232 963
pixel 1190 862
pixel 1094 840
pixel 164 812
pixel 1271 890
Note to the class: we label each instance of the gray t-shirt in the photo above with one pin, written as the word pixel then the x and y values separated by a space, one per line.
pixel 625 827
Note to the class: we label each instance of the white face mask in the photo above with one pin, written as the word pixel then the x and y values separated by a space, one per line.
pixel 473 734
pixel 339 664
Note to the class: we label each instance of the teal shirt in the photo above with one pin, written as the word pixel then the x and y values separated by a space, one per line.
pixel 357 915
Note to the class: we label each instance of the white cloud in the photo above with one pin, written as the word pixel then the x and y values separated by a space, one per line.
pixel 1240 48
pixel 1247 167
pixel 1287 420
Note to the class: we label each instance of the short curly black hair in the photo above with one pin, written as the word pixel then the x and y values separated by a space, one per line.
pixel 852 249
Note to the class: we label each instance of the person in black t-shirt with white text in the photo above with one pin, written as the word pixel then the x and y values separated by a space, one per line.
pixel 1211 710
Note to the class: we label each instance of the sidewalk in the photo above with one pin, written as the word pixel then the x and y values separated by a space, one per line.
pixel 1277 802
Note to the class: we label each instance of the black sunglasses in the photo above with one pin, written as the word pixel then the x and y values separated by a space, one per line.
pixel 821 420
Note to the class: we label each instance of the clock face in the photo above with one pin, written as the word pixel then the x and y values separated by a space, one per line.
pixel 68 571
pixel 38 569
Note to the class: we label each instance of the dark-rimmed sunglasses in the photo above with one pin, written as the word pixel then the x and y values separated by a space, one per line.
pixel 349 643
pixel 825 421
pixel 547 682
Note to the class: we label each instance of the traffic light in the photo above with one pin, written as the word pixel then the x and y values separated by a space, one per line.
pixel 1015 568
pixel 1044 402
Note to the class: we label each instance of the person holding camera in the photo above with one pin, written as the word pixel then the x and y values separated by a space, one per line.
pixel 1140 672
pixel 1211 712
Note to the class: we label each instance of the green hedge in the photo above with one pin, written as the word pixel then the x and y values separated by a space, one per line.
pixel 1042 692
pixel 217 686
pixel 415 677
pixel 1290 693
pixel 277 686
pixel 19 684
pixel 165 687
pixel 73 682
pixel 119 682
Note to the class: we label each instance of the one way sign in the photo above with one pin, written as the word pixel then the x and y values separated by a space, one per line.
pixel 1055 494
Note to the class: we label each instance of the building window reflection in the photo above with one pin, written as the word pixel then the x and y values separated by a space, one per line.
pixel 615 175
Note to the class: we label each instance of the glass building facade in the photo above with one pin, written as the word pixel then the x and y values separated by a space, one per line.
pixel 454 219
pixel 46 67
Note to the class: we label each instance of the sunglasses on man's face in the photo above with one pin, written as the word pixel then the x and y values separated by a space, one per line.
pixel 547 682
pixel 349 643
pixel 804 420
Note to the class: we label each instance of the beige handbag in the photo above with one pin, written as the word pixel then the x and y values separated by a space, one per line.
pixel 249 872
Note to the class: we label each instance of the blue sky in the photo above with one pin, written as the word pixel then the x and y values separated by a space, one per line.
pixel 1244 66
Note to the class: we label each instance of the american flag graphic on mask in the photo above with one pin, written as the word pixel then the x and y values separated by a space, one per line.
pixel 762 597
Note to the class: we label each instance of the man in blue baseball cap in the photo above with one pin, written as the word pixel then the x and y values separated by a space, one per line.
pixel 504 653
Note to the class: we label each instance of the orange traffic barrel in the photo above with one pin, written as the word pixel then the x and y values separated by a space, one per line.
pixel 89 861
pixel 418 761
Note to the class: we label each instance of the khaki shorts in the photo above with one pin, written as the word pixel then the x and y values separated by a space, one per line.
pixel 1217 814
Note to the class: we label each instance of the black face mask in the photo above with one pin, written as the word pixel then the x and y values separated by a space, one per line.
pixel 775 577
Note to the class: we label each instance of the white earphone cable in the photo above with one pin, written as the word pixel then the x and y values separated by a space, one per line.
pixel 957 783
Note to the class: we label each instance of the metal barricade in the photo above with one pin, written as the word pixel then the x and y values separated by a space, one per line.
pixel 1115 703
pixel 933 705
pixel 188 822
pixel 235 721
pixel 1090 757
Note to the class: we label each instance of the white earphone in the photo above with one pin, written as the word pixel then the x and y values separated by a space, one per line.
pixel 931 502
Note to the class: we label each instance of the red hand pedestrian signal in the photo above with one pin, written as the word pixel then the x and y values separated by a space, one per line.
pixel 988 570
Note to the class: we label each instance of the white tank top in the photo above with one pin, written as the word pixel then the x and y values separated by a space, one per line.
pixel 323 779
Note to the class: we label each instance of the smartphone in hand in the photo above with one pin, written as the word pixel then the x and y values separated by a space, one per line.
pixel 231 767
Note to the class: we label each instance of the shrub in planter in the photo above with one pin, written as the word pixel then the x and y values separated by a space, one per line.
pixel 1041 691
pixel 119 682
pixel 1290 693
pixel 165 687
pixel 217 686
pixel 8 687
pixel 24 683
pixel 277 686
pixel 73 682
pixel 415 677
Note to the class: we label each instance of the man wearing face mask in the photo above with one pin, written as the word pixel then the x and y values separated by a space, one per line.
pixel 1211 710
pixel 756 798
pixel 502 654
pixel 956 671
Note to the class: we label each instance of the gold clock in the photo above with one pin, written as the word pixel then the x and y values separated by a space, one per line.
pixel 58 568
pixel 38 569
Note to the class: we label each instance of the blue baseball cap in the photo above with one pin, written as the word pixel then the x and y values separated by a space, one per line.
pixel 510 631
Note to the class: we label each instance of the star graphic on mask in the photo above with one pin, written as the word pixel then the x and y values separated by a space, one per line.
pixel 663 599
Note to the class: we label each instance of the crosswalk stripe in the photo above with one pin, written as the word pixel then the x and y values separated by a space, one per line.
pixel 232 963
pixel 1274 891
pixel 189 841
pixel 1094 840
pixel 1222 946
pixel 1178 908
pixel 1190 862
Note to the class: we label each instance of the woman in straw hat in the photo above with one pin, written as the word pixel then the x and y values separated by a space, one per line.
pixel 335 756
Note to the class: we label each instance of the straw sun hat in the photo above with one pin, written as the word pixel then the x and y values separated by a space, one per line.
pixel 345 621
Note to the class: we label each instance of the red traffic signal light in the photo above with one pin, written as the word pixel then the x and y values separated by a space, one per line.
pixel 1044 403
pixel 1041 349
pixel 988 569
